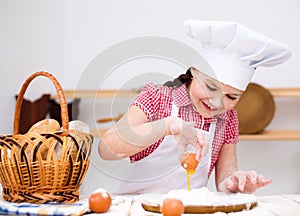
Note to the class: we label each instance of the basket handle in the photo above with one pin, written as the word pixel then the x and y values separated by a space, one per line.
pixel 61 96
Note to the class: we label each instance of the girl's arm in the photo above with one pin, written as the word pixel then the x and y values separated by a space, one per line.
pixel 131 134
pixel 226 164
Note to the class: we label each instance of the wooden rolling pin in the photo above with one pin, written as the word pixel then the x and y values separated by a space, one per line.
pixel 116 118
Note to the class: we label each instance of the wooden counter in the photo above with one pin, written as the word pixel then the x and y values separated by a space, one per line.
pixel 289 92
pixel 128 93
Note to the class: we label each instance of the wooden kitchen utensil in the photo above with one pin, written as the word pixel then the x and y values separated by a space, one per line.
pixel 255 109
pixel 27 174
pixel 104 120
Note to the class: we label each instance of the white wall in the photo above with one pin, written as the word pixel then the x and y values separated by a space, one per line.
pixel 31 39
pixel 63 37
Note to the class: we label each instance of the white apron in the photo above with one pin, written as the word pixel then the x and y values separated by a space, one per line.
pixel 161 171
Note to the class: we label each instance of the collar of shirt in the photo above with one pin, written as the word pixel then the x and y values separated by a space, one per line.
pixel 181 98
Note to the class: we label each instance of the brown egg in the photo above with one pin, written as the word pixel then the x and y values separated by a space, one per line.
pixel 172 207
pixel 100 201
pixel 189 161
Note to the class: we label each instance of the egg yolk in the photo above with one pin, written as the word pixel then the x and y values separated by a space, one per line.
pixel 189 163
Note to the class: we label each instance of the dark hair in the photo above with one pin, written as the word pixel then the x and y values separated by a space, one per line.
pixel 180 80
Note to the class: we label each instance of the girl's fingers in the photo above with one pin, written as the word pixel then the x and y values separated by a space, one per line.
pixel 203 143
pixel 230 185
pixel 242 179
pixel 198 155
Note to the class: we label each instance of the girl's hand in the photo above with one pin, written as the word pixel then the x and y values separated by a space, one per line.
pixel 243 182
pixel 186 134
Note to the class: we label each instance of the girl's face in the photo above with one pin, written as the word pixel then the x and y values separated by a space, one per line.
pixel 211 97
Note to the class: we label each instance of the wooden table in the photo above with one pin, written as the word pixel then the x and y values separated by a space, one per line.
pixel 276 205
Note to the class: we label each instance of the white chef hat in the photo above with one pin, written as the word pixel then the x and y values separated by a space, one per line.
pixel 234 51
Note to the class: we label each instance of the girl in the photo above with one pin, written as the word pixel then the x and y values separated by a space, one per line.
pixel 197 109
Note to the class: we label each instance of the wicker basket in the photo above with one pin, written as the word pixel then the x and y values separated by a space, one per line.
pixel 30 174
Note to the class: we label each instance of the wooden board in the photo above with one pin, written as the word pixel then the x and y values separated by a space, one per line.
pixel 204 209
pixel 255 109
pixel 152 203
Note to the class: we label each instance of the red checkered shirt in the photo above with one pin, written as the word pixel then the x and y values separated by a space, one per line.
pixel 156 102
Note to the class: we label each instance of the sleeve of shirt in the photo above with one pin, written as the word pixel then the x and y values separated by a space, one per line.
pixel 232 128
pixel 152 100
